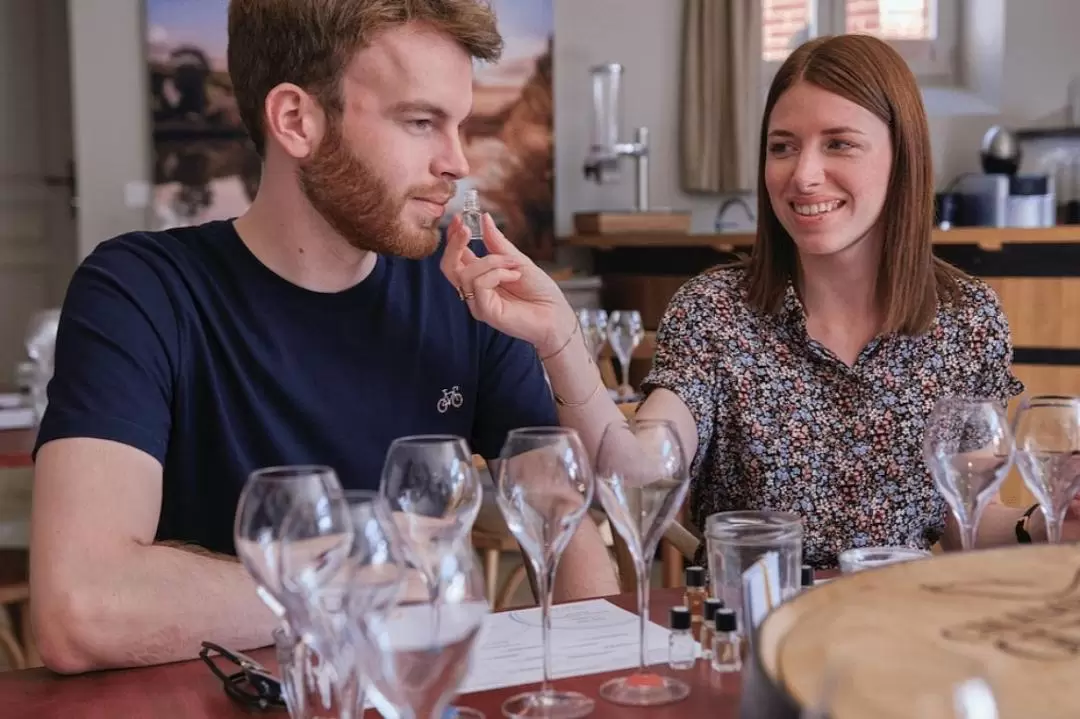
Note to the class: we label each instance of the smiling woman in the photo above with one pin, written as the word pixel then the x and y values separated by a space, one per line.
pixel 801 380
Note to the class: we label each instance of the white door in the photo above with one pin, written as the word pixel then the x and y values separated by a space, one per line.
pixel 38 244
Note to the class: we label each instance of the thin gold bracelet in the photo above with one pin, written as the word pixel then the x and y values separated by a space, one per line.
pixel 563 403
pixel 565 344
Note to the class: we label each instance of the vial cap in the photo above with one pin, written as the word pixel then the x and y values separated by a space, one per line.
pixel 680 618
pixel 695 577
pixel 807 575
pixel 725 620
pixel 712 604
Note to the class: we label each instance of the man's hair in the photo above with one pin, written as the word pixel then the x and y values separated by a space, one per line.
pixel 310 42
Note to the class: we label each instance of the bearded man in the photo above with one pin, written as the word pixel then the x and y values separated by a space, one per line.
pixel 314 329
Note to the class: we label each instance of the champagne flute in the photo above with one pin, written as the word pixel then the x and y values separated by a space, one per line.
pixel 266 499
pixel 1047 431
pixel 968 447
pixel 434 490
pixel 416 656
pixel 545 487
pixel 642 477
pixel 625 333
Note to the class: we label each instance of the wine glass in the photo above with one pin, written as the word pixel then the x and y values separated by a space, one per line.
pixel 416 656
pixel 625 333
pixel 265 501
pixel 968 447
pixel 642 477
pixel 545 486
pixel 1047 432
pixel 594 327
pixel 431 484
pixel 344 557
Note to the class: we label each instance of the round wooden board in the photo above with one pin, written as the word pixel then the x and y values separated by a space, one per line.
pixel 898 638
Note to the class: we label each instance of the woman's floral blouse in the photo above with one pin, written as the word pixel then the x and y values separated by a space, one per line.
pixel 783 424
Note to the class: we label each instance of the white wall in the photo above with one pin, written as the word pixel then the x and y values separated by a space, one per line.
pixel 112 125
pixel 112 122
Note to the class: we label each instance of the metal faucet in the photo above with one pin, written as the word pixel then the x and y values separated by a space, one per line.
pixel 602 165
pixel 720 225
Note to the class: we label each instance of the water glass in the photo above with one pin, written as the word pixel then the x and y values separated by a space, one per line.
pixel 856 560
pixel 308 682
pixel 737 539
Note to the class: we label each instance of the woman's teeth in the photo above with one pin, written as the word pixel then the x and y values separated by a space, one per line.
pixel 818 208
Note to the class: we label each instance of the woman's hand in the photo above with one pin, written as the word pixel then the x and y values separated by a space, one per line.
pixel 506 289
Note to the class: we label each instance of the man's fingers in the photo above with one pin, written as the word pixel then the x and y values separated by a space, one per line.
pixel 496 241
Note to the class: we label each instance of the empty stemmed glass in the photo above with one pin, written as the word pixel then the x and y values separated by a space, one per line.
pixel 968 448
pixel 434 490
pixel 642 477
pixel 545 486
pixel 340 557
pixel 417 655
pixel 625 332
pixel 594 327
pixel 431 484
pixel 268 496
pixel 1047 435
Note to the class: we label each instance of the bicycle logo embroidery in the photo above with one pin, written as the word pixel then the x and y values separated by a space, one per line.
pixel 450 398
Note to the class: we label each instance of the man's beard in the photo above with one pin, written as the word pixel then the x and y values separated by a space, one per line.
pixel 354 201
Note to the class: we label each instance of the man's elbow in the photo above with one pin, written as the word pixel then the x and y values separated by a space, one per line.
pixel 69 628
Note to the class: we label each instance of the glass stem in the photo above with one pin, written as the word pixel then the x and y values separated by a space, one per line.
pixel 1054 521
pixel 968 532
pixel 644 571
pixel 546 578
pixel 625 369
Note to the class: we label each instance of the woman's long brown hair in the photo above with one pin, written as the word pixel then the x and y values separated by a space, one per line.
pixel 870 73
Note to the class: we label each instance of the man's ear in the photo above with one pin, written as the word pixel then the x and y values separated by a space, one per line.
pixel 294 120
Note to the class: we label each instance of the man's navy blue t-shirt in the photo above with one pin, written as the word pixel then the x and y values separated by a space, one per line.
pixel 184 345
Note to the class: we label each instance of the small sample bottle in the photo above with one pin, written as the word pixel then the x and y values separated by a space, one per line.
pixel 695 592
pixel 807 576
pixel 726 648
pixel 681 642
pixel 471 215
pixel 708 626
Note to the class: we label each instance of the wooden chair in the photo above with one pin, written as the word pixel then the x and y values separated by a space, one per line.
pixel 16 638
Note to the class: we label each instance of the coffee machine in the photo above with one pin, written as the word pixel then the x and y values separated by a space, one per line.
pixel 999 196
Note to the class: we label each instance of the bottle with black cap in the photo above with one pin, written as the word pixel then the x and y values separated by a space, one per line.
pixel 695 596
pixel 708 627
pixel 681 642
pixel 726 648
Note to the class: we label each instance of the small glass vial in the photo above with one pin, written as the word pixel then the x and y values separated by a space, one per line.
pixel 681 642
pixel 807 576
pixel 695 596
pixel 471 215
pixel 708 626
pixel 726 648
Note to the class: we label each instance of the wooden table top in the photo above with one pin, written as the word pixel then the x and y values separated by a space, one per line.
pixel 188 690
pixel 15 447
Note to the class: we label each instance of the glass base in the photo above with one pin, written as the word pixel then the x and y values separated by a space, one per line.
pixel 462 713
pixel 644 690
pixel 548 704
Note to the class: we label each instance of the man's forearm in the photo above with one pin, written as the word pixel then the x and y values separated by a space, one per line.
pixel 153 605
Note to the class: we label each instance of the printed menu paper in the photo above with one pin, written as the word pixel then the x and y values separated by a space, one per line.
pixel 587 637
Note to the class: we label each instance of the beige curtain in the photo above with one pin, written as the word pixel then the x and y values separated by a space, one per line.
pixel 720 108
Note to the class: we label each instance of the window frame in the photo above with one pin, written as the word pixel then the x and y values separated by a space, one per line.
pixel 934 62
